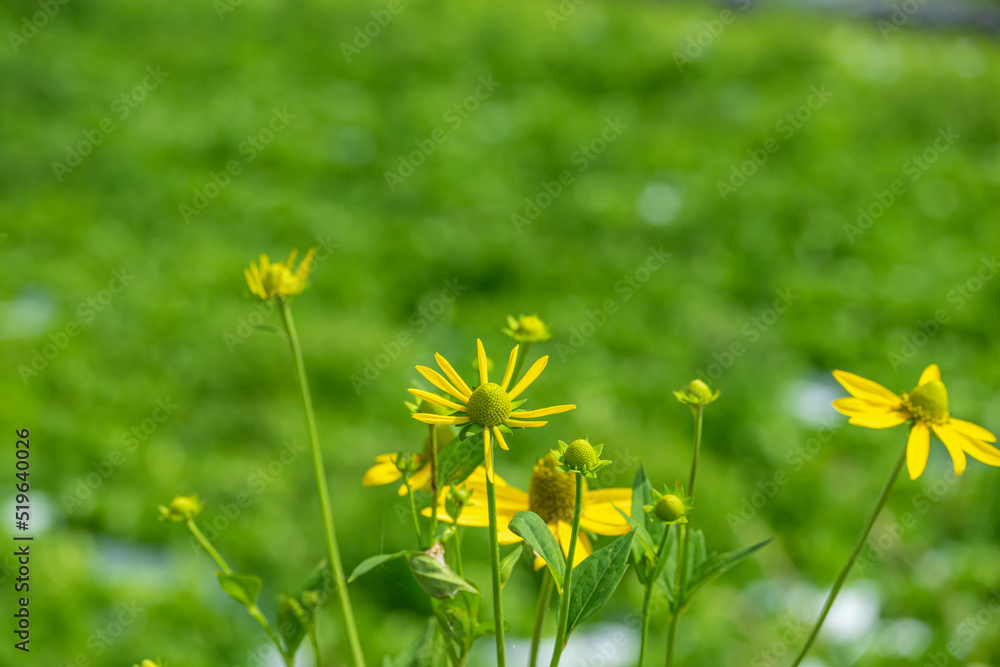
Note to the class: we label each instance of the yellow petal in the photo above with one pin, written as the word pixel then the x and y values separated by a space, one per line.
pixel 563 530
pixel 541 412
pixel 384 472
pixel 930 373
pixel 954 441
pixel 529 377
pixel 858 407
pixel 435 399
pixel 489 454
pixel 523 424
pixel 917 448
pixel 484 376
pixel 974 431
pixel 603 518
pixel 980 451
pixel 438 381
pixel 884 420
pixel 450 373
pixel 499 437
pixel 446 420
pixel 859 387
pixel 509 373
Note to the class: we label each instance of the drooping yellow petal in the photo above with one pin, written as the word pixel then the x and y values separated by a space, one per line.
pixel 489 454
pixel 603 518
pixel 884 420
pixel 523 424
pixel 980 451
pixel 509 373
pixel 859 387
pixel 917 449
pixel 484 375
pixel 972 430
pixel 302 273
pixel 435 399
pixel 500 440
pixel 930 373
pixel 955 442
pixel 563 530
pixel 438 381
pixel 529 377
pixel 455 378
pixel 383 472
pixel 446 420
pixel 858 407
pixel 542 412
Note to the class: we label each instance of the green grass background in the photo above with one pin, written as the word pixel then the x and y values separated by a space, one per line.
pixel 321 181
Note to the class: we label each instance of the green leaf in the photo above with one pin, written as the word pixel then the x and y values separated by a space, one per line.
pixel 457 461
pixel 697 553
pixel 717 565
pixel 291 607
pixel 435 578
pixel 507 565
pixel 649 533
pixel 458 618
pixel 595 579
pixel 240 587
pixel 369 564
pixel 530 527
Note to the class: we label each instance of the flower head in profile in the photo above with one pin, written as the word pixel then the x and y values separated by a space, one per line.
pixel 874 406
pixel 386 469
pixel 280 280
pixel 527 329
pixel 671 506
pixel 490 407
pixel 552 496
pixel 182 508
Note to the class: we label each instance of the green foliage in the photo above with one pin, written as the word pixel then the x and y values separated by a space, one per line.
pixel 596 578
pixel 530 527
pixel 242 588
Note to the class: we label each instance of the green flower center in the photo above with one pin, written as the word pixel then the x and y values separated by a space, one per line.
pixel 928 402
pixel 580 456
pixel 489 405
pixel 670 508
pixel 551 494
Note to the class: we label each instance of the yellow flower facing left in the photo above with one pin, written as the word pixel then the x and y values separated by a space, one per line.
pixel 490 405
pixel 874 406
pixel 279 280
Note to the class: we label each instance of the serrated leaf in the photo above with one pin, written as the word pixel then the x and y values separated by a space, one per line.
pixel 530 528
pixel 457 461
pixel 596 578
pixel 242 588
pixel 717 565
pixel 436 578
pixel 369 564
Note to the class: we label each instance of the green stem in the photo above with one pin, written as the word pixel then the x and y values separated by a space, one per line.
pixel 661 559
pixel 315 644
pixel 522 355
pixel 434 483
pixel 676 608
pixel 324 497
pixel 544 597
pixel 413 511
pixel 862 539
pixel 698 411
pixel 568 578
pixel 252 609
pixel 458 551
pixel 491 497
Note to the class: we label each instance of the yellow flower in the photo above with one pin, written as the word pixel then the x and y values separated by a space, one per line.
pixel 385 471
pixel 527 329
pixel 278 281
pixel 551 496
pixel 874 406
pixel 490 405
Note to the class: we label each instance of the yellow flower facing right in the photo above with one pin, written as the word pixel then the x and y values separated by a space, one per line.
pixel 874 406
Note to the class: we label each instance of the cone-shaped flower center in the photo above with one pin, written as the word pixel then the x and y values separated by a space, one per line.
pixel 928 402
pixel 551 493
pixel 580 455
pixel 670 508
pixel 489 405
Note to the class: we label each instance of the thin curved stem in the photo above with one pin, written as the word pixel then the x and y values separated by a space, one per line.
pixel 413 511
pixel 491 497
pixel 434 483
pixel 333 552
pixel 661 559
pixel 568 578
pixel 676 608
pixel 698 412
pixel 544 597
pixel 862 539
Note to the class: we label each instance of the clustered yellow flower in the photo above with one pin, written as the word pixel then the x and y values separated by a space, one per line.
pixel 278 280
pixel 489 406
pixel 874 406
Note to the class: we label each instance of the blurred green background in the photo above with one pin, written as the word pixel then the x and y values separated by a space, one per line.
pixel 914 284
